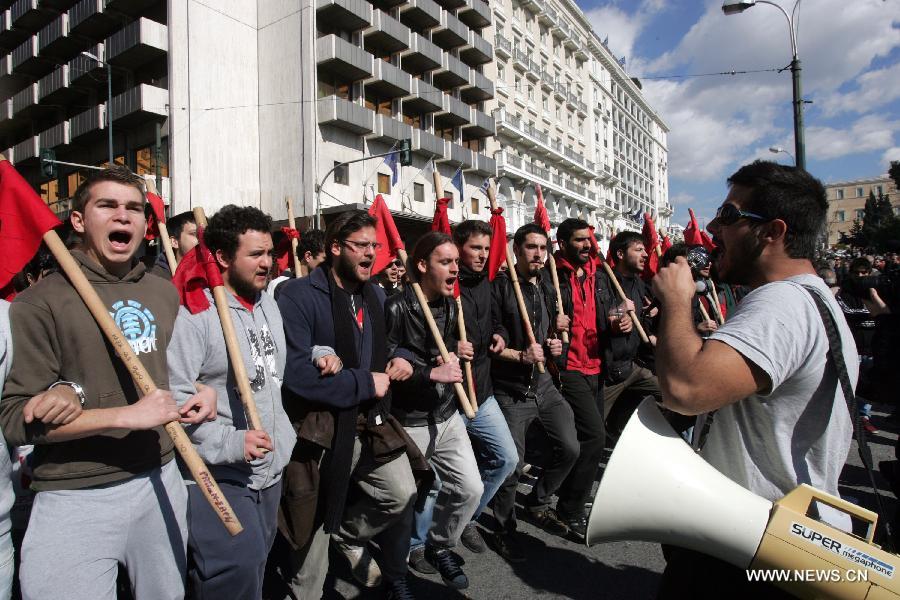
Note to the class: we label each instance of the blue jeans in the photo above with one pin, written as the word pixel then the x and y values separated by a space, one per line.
pixel 497 457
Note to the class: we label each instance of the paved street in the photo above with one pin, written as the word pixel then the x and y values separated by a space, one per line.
pixel 559 568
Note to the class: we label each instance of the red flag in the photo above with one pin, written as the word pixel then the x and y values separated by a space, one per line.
pixel 707 241
pixel 497 255
pixel 610 259
pixel 692 231
pixel 651 243
pixel 540 211
pixel 24 219
pixel 283 251
pixel 441 222
pixel 666 244
pixel 157 215
pixel 595 249
pixel 197 271
pixel 386 234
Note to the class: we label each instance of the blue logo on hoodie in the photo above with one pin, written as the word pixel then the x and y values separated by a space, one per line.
pixel 137 323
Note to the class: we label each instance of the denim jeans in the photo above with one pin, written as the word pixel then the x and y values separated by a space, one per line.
pixel 496 454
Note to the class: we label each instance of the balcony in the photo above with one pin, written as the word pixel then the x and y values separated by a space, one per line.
pixel 6 111
pixel 350 14
pixel 478 51
pixel 56 88
pixel 452 73
pixel 137 44
pixel 559 90
pixel 25 102
pixel 484 165
pixel 91 19
pixel 453 112
pixel 346 115
pixel 421 56
pixel 534 71
pixel 130 7
pixel 386 35
pixel 480 125
pixel 508 124
pixel 423 98
pixel 420 14
pixel 547 16
pixel 478 88
pixel 85 71
pixel 502 47
pixel 142 103
pixel 546 80
pixel 450 32
pixel 534 6
pixel 54 39
pixel 581 52
pixel 426 143
pixel 506 160
pixel 30 15
pixel 389 81
pixel 451 4
pixel 27 61
pixel 27 150
pixel 338 56
pixel 10 36
pixel 521 60
pixel 475 13
pixel 463 157
pixel 57 136
pixel 389 130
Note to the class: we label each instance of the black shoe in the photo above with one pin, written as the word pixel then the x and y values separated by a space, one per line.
pixel 418 563
pixel 549 521
pixel 398 590
pixel 577 524
pixel 471 539
pixel 505 545
pixel 446 564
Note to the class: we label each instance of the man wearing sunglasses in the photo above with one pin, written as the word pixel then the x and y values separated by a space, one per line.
pixel 782 418
pixel 389 279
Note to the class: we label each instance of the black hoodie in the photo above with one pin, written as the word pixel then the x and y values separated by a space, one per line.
pixel 475 291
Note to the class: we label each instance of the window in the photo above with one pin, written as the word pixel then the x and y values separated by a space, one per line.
pixel 838 194
pixel 474 205
pixel 501 73
pixel 384 183
pixel 859 192
pixel 839 216
pixel 341 174
pixel 860 213
pixel 879 190
pixel 419 192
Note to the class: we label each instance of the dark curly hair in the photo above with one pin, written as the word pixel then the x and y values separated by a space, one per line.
pixel 227 225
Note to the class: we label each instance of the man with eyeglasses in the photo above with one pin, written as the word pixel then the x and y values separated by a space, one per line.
pixel 782 417
pixel 341 410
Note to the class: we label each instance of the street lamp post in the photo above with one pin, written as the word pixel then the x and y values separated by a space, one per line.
pixel 780 150
pixel 109 130
pixel 733 7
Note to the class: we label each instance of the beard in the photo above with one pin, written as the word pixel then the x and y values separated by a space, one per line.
pixel 244 288
pixel 741 272
pixel 347 272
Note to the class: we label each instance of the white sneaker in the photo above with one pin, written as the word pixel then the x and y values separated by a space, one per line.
pixel 362 566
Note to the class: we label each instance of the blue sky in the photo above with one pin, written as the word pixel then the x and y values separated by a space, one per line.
pixel 850 51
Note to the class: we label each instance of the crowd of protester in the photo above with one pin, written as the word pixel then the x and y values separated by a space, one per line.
pixel 363 443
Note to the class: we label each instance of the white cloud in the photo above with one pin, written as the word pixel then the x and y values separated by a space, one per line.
pixel 871 132
pixel 683 198
pixel 874 89
pixel 623 28
pixel 889 155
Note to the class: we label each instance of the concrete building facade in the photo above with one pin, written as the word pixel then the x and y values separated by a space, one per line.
pixel 570 119
pixel 847 202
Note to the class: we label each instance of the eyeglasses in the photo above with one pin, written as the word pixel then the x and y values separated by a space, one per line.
pixel 729 214
pixel 397 263
pixel 363 246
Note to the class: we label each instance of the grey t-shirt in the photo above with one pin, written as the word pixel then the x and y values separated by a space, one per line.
pixel 798 432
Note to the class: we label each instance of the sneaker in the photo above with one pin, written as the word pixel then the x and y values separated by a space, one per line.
pixel 549 521
pixel 867 425
pixel 362 566
pixel 398 590
pixel 471 539
pixel 577 524
pixel 447 565
pixel 418 563
pixel 506 546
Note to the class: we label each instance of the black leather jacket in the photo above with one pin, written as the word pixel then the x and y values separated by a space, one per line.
pixel 418 401
pixel 475 290
pixel 621 349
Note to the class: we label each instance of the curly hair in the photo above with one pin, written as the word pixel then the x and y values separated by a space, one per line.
pixel 117 174
pixel 226 226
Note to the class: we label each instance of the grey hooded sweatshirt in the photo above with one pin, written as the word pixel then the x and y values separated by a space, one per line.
pixel 197 353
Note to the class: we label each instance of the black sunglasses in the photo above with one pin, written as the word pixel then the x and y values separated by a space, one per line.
pixel 729 214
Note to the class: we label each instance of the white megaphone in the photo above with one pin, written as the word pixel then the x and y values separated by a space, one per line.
pixel 703 510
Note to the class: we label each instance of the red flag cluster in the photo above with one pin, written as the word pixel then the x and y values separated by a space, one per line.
pixel 24 219
pixel 196 272
pixel 386 234
pixel 652 246
pixel 695 236
pixel 283 251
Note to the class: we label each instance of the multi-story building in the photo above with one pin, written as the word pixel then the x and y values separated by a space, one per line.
pixel 253 102
pixel 847 202
pixel 570 119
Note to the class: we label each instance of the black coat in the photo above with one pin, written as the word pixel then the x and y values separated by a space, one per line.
pixel 621 349
pixel 475 291
pixel 418 401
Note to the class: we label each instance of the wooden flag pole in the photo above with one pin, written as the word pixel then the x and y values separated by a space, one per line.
pixel 220 295
pixel 623 298
pixel 294 241
pixel 142 380
pixel 703 312
pixel 461 320
pixel 717 308
pixel 514 277
pixel 555 277
pixel 164 233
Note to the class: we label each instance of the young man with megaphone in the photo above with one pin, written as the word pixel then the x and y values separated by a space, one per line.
pixel 781 419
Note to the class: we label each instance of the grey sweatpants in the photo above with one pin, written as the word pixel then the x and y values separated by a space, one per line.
pixel 77 538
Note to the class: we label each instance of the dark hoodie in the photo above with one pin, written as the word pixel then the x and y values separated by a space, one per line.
pixel 56 338
pixel 475 291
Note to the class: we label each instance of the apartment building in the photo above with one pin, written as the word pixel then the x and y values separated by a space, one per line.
pixel 847 202
pixel 570 119
pixel 253 102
